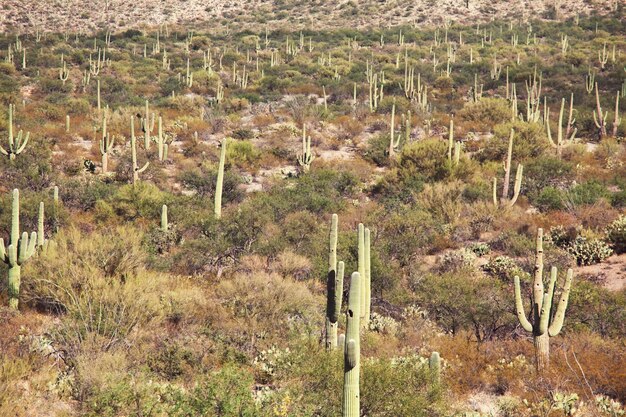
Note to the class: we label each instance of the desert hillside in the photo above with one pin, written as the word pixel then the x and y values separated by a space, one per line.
pixel 312 209
pixel 91 15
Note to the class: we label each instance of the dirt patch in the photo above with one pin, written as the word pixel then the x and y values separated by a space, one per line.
pixel 611 273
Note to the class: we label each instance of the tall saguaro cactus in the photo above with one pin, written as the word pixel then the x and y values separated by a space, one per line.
pixel 367 279
pixel 334 288
pixel 133 153
pixel 106 144
pixel 17 143
pixel 352 350
pixel 545 323
pixel 19 250
pixel 507 175
pixel 164 222
pixel 220 180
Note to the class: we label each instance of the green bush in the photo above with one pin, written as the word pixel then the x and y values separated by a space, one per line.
pixel 550 198
pixel 424 159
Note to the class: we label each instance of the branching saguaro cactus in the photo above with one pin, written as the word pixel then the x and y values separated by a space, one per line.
pixel 17 143
pixel 106 144
pixel 545 323
pixel 560 140
pixel 133 153
pixel 220 180
pixel 334 288
pixel 599 118
pixel 18 251
pixel 507 175
pixel 352 350
pixel 161 142
pixel 306 157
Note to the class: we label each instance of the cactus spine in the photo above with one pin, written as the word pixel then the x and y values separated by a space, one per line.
pixel 17 252
pixel 546 324
pixel 16 144
pixel 352 350
pixel 133 152
pixel 334 286
pixel 220 181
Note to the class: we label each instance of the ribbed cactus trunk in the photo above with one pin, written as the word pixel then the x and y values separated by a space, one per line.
pixel 352 351
pixel 367 279
pixel 164 222
pixel 542 351
pixel 16 252
pixel 334 286
pixel 361 267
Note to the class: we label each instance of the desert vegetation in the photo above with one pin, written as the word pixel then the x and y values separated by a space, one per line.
pixel 402 220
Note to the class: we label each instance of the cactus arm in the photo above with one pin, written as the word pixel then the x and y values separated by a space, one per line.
pixel 3 252
pixel 519 307
pixel 557 323
pixel 3 151
pixel 518 184
pixel 546 308
pixel 339 286
pixel 495 192
pixel 12 255
pixel 27 247
pixel 21 147
pixel 142 169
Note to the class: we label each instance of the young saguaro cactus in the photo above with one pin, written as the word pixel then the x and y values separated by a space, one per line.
pixel 545 323
pixel 334 288
pixel 164 222
pixel 352 350
pixel 16 144
pixel 18 251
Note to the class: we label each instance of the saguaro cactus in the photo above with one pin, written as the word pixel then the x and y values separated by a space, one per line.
pixel 334 288
pixel 352 350
pixel 545 323
pixel 306 157
pixel 367 279
pixel 164 222
pixel 106 144
pixel 16 144
pixel 507 175
pixel 434 363
pixel 147 125
pixel 17 252
pixel 560 140
pixel 133 152
pixel 220 180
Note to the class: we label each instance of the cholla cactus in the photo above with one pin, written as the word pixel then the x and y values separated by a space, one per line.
pixel 18 251
pixel 545 324
pixel 16 144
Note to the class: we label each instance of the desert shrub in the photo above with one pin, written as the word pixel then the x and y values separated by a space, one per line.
pixel 377 150
pixel 424 159
pixel 589 251
pixel 203 182
pixel 465 302
pixel 383 324
pixel 618 199
pixel 242 153
pixel 82 194
pixel 487 112
pixel 30 170
pixel 596 309
pixel 550 198
pixel 586 193
pixel 139 200
pixel 530 141
pixel 616 234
